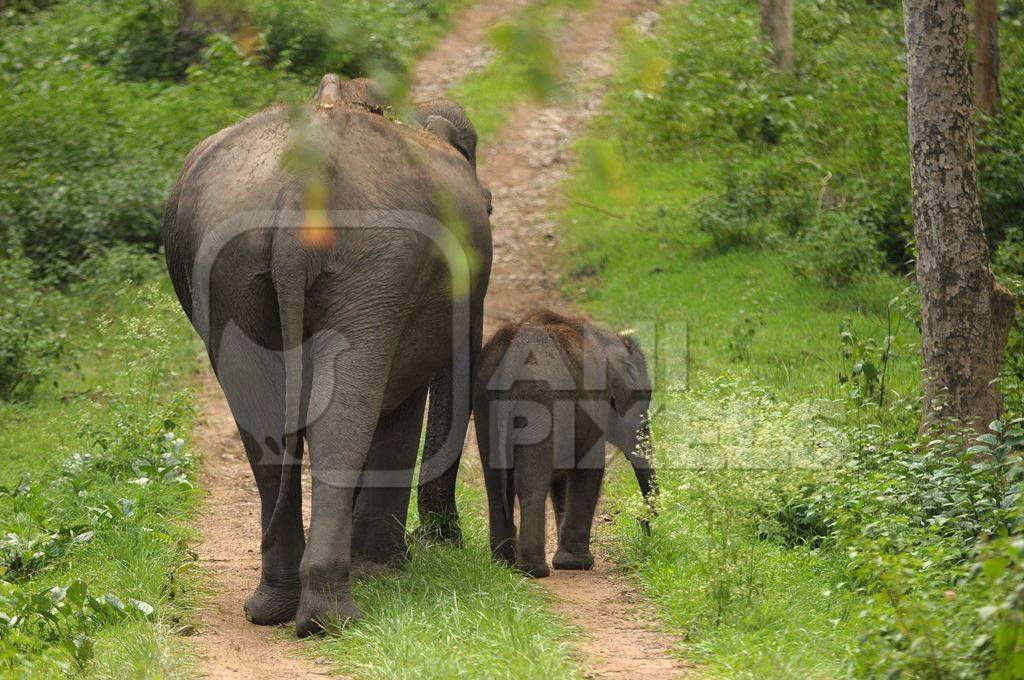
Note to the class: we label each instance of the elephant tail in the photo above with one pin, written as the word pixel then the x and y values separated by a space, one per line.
pixel 505 458
pixel 291 299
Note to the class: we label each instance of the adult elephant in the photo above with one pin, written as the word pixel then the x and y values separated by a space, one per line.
pixel 335 264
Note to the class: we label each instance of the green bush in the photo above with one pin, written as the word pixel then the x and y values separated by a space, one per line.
pixel 352 37
pixel 30 342
pixel 839 250
pixel 832 138
pixel 1001 169
pixel 89 160
pixel 154 44
pixel 916 519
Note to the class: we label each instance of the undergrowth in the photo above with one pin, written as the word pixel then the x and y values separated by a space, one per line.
pixel 757 229
pixel 95 568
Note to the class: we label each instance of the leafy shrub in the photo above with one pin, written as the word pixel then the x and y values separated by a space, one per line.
pixel 1000 145
pixel 352 37
pixel 61 617
pixel 832 139
pixel 839 250
pixel 753 203
pixel 23 7
pixel 30 344
pixel 915 519
pixel 154 43
pixel 111 150
pixel 108 519
pixel 1000 569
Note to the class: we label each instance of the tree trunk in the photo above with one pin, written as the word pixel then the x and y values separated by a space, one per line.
pixel 777 28
pixel 965 314
pixel 986 55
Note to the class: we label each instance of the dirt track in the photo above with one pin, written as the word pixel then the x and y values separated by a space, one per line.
pixel 523 170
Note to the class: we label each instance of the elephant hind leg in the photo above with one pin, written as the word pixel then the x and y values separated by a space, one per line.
pixel 252 379
pixel 339 440
pixel 533 480
pixel 382 499
pixel 584 486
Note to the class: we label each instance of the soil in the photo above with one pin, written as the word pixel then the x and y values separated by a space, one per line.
pixel 524 169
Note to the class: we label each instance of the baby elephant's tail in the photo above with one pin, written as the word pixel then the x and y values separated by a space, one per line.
pixel 502 457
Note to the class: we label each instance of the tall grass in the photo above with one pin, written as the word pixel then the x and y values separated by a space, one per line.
pixel 755 228
pixel 95 566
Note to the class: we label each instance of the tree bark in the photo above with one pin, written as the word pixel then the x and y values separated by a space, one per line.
pixel 986 55
pixel 965 314
pixel 777 28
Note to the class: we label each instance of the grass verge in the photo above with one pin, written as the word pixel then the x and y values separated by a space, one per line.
pixel 95 569
pixel 453 613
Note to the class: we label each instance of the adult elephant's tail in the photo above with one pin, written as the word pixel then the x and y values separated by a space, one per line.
pixel 291 299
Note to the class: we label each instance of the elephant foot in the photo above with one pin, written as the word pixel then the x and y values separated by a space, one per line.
pixel 438 527
pixel 318 609
pixel 363 570
pixel 504 554
pixel 534 569
pixel 271 605
pixel 566 560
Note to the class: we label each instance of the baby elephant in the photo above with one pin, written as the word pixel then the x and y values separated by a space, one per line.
pixel 549 392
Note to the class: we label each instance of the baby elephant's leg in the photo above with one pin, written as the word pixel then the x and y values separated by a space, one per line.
pixel 558 485
pixel 574 535
pixel 533 479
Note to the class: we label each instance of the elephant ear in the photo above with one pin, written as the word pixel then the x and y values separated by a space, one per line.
pixel 619 386
pixel 456 115
pixel 626 372
pixel 443 128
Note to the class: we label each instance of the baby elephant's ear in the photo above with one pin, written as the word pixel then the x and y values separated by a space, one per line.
pixel 620 384
pixel 443 128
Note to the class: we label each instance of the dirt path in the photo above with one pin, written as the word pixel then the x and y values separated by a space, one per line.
pixel 230 646
pixel 523 170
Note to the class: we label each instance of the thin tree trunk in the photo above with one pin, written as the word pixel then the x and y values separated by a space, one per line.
pixel 186 15
pixel 777 28
pixel 965 314
pixel 986 55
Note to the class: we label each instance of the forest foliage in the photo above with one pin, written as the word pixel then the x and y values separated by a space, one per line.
pixel 763 222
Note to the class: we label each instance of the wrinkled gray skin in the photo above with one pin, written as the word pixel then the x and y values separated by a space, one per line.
pixel 452 112
pixel 538 365
pixel 332 337
pixel 449 121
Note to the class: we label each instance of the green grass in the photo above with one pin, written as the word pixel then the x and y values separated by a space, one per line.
pixel 650 265
pixel 453 613
pixel 97 492
pixel 748 346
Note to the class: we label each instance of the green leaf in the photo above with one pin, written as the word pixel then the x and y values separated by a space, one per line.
pixel 76 593
pixel 988 611
pixel 144 607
